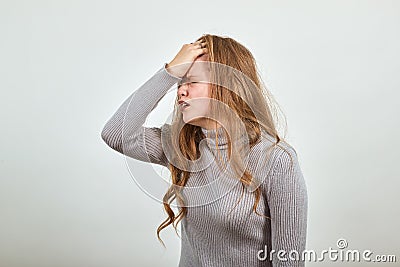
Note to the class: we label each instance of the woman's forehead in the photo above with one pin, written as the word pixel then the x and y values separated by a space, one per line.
pixel 199 68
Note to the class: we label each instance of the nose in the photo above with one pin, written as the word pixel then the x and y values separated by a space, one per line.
pixel 182 90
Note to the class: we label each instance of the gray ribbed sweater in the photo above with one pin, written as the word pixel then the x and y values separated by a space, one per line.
pixel 211 236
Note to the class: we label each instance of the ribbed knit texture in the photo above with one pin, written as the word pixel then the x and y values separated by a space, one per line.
pixel 211 234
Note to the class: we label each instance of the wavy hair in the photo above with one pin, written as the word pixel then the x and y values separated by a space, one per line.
pixel 250 101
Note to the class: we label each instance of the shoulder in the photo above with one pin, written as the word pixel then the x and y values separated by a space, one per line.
pixel 269 161
pixel 286 159
pixel 281 171
pixel 279 156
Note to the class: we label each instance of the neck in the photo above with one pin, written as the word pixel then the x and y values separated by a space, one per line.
pixel 209 125
pixel 216 137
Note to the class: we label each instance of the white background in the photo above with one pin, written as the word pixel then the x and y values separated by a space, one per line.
pixel 67 199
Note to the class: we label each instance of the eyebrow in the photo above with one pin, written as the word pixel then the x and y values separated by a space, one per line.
pixel 184 78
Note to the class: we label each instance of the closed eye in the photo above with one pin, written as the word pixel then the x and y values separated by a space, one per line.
pixel 180 84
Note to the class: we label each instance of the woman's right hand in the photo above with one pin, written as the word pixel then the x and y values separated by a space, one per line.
pixel 185 57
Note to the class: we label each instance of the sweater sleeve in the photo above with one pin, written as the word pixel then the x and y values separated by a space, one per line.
pixel 124 131
pixel 287 200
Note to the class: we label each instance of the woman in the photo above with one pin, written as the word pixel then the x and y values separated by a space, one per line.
pixel 222 140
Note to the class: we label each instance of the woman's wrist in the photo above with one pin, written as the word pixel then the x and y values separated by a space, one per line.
pixel 170 72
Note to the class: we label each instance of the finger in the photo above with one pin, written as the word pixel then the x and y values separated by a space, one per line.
pixel 197 42
pixel 201 45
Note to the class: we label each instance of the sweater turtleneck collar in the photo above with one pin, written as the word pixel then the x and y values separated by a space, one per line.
pixel 217 136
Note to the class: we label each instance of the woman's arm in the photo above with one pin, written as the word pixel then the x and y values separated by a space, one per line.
pixel 287 200
pixel 124 131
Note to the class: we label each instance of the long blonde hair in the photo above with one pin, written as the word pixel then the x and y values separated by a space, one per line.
pixel 244 93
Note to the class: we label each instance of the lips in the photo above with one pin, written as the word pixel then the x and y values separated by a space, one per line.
pixel 183 107
pixel 183 104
